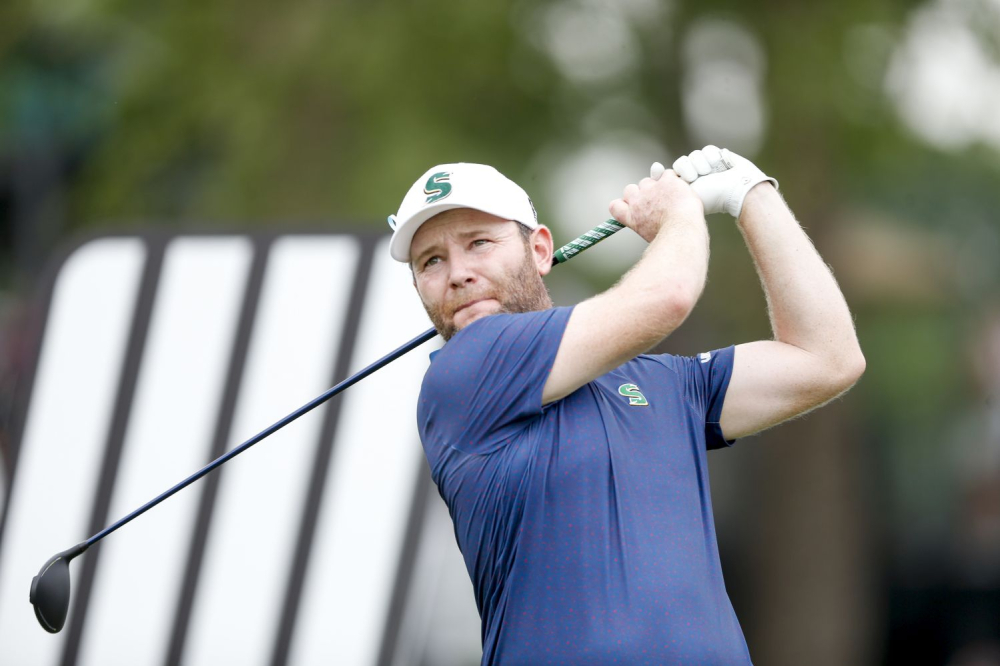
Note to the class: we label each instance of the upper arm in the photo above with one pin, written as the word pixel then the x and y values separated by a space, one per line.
pixel 773 382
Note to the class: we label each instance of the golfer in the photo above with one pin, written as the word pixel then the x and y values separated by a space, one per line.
pixel 574 463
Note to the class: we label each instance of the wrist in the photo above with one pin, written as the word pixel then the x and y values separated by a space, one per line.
pixel 682 221
pixel 689 209
pixel 761 195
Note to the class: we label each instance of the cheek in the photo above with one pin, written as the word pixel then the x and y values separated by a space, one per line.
pixel 427 290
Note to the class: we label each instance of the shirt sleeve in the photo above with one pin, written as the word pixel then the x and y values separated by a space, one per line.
pixel 486 383
pixel 706 379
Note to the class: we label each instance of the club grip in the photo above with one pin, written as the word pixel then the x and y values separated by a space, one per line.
pixel 584 241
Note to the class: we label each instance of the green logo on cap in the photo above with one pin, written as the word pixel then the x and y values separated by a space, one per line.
pixel 437 187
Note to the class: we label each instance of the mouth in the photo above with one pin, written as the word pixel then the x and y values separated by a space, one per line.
pixel 469 304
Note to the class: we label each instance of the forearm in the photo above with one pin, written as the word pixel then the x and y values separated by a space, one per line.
pixel 664 286
pixel 645 306
pixel 805 305
pixel 654 297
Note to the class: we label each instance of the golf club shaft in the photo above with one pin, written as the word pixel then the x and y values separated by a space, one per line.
pixel 561 255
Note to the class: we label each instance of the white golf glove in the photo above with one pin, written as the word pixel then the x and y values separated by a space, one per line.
pixel 720 178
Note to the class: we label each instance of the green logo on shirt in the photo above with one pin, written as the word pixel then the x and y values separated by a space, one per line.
pixel 635 397
pixel 437 186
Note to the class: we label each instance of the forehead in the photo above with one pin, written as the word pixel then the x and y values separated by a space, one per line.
pixel 454 222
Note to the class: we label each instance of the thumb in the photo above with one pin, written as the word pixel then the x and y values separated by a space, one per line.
pixel 620 211
pixel 713 192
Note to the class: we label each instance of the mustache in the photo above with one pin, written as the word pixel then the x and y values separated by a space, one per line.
pixel 454 305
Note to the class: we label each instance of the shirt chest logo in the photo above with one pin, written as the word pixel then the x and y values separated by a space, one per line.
pixel 634 395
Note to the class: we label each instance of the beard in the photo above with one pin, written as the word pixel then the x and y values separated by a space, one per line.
pixel 522 291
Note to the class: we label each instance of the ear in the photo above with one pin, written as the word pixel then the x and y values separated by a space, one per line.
pixel 542 249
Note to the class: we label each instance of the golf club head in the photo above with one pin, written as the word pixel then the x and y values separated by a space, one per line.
pixel 50 590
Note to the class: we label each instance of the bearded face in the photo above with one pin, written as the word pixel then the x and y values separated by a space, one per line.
pixel 523 291
pixel 468 265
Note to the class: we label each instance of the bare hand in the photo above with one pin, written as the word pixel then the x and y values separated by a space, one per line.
pixel 652 204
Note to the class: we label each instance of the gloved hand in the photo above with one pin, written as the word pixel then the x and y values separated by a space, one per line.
pixel 720 178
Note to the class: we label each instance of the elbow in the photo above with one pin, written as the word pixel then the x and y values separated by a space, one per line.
pixel 680 308
pixel 673 311
pixel 680 301
pixel 660 310
pixel 860 365
pixel 849 369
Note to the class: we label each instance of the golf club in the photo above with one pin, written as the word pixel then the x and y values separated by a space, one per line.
pixel 50 589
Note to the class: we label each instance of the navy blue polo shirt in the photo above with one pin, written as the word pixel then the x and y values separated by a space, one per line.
pixel 586 525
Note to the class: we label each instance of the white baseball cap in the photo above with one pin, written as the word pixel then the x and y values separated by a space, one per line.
pixel 461 185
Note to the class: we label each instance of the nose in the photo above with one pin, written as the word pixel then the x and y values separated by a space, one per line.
pixel 461 270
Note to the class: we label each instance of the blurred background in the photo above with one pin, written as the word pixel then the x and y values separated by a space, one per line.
pixel 865 533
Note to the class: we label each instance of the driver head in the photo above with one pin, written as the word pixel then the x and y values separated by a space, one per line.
pixel 50 590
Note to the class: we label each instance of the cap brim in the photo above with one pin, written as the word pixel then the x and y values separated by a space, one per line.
pixel 399 244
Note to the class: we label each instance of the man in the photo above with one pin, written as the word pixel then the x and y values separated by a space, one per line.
pixel 573 464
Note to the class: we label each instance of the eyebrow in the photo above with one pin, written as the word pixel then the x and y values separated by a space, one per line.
pixel 433 249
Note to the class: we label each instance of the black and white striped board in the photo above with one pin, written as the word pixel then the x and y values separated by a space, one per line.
pixel 319 546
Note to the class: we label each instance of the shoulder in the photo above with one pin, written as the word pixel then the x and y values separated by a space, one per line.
pixel 490 337
pixel 487 380
pixel 705 371
pixel 663 366
pixel 492 344
pixel 702 361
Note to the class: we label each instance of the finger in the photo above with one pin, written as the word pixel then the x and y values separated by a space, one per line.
pixel 630 192
pixel 700 163
pixel 685 169
pixel 619 210
pixel 727 159
pixel 715 160
pixel 656 170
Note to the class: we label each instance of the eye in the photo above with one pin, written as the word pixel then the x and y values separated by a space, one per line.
pixel 431 261
pixel 480 242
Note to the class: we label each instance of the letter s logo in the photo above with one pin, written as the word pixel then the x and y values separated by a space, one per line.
pixel 635 397
pixel 437 187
